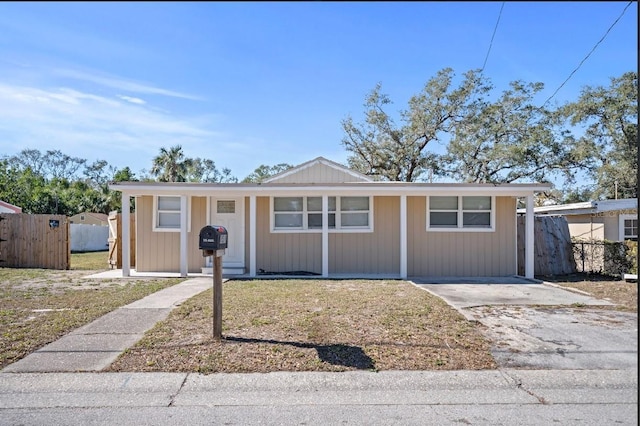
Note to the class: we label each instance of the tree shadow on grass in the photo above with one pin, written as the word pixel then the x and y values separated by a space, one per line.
pixel 338 354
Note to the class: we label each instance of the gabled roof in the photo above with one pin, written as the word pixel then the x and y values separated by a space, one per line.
pixel 321 176
pixel 587 207
pixel 328 171
pixel 9 208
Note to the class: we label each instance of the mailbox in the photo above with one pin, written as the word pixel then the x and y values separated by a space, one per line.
pixel 213 237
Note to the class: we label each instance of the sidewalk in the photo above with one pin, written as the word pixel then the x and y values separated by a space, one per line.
pixel 96 345
pixel 495 397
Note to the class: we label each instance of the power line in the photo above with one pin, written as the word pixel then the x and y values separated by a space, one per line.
pixel 492 36
pixel 589 54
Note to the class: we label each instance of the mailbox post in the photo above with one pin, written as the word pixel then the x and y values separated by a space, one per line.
pixel 213 242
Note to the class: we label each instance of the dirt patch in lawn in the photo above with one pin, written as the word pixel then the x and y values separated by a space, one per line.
pixel 313 325
pixel 38 306
pixel 623 293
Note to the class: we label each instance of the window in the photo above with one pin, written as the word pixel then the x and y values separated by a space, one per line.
pixel 467 213
pixel 167 213
pixel 628 227
pixel 305 213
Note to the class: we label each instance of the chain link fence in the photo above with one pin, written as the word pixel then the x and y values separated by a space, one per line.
pixel 605 257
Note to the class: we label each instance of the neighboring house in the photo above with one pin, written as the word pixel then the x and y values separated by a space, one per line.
pixel 323 218
pixel 9 208
pixel 88 218
pixel 612 220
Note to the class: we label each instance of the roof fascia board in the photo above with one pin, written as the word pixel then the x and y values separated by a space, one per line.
pixel 368 188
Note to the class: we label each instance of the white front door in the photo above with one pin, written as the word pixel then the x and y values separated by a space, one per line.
pixel 229 212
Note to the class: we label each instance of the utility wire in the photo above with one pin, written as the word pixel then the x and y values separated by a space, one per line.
pixel 589 54
pixel 492 36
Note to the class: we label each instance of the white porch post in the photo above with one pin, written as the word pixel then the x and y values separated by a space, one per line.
pixel 184 263
pixel 403 237
pixel 252 236
pixel 325 236
pixel 126 236
pixel 529 243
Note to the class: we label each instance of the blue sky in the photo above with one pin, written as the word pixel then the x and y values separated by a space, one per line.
pixel 253 83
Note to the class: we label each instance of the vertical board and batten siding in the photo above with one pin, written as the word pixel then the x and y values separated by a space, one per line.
pixel 318 173
pixel 29 242
pixel 376 252
pixel 461 254
pixel 284 252
pixel 161 251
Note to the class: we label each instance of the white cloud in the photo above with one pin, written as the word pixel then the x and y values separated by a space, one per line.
pixel 121 84
pixel 124 132
pixel 132 99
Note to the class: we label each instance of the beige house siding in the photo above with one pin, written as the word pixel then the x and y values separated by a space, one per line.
pixel 318 173
pixel 375 252
pixel 161 251
pixel 611 226
pixel 98 219
pixel 461 253
pixel 284 252
pixel 596 226
pixel 585 226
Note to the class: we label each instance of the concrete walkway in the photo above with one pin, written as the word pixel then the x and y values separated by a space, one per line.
pixel 96 345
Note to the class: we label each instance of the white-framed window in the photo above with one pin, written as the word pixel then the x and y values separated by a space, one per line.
pixel 166 213
pixel 303 213
pixel 628 227
pixel 468 213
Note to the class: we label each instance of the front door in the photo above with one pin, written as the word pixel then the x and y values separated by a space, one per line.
pixel 229 212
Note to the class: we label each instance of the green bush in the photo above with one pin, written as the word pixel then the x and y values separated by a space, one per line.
pixel 605 257
pixel 632 255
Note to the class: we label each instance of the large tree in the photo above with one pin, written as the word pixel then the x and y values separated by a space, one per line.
pixel 264 172
pixel 608 119
pixel 400 152
pixel 510 139
pixel 205 170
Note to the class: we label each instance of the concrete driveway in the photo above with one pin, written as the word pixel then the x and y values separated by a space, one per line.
pixel 533 324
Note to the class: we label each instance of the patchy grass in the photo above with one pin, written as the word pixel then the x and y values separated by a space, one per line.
pixel 93 261
pixel 38 306
pixel 624 294
pixel 313 325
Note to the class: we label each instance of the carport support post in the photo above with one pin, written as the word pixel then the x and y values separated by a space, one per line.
pixel 217 295
pixel 126 240
pixel 529 243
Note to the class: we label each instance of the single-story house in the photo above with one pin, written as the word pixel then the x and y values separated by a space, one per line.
pixel 90 218
pixel 612 220
pixel 9 208
pixel 324 219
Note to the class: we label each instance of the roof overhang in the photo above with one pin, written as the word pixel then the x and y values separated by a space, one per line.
pixel 361 188
pixel 588 207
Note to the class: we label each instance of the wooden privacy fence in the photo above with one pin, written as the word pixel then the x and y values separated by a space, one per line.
pixel 34 241
pixel 115 239
pixel 553 252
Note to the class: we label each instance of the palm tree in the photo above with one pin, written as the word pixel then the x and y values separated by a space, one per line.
pixel 171 165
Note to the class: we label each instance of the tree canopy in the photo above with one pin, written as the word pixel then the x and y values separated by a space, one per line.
pixel 264 172
pixel 467 133
pixel 399 152
pixel 608 117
